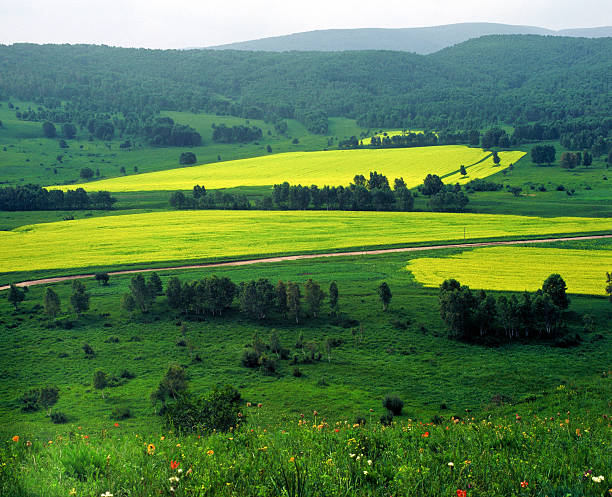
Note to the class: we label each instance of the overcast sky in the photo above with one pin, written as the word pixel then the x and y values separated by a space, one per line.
pixel 199 23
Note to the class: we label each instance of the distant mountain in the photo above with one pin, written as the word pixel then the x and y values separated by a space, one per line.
pixel 419 40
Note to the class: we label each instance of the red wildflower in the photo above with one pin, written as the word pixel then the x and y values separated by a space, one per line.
pixel 426 434
pixel 174 464
pixel 461 493
pixel 116 425
pixel 524 484
pixel 336 430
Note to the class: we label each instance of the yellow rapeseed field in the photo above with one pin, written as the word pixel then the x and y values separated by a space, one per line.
pixel 395 132
pixel 190 235
pixel 334 167
pixel 518 268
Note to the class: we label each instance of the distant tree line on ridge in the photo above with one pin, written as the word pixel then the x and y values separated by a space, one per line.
pixel 35 198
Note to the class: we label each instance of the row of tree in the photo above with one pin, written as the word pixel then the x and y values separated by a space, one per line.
pixel 480 316
pixel 35 198
pixel 236 134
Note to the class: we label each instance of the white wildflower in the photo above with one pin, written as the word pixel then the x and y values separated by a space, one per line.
pixel 173 478
pixel 365 472
pixel 451 464
pixel 370 462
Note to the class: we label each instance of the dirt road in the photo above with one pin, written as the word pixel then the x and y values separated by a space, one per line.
pixel 283 258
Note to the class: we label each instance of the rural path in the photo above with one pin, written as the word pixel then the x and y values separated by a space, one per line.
pixel 283 258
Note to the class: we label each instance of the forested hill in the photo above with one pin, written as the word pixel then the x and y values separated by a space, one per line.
pixel 420 40
pixel 490 79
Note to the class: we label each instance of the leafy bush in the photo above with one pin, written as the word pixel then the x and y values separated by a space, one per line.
pixel 250 358
pixel 29 400
pixel 297 372
pixel 121 413
pixel 393 404
pixel 127 374
pixel 58 417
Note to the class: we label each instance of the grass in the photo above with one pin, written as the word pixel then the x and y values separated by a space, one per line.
pixel 518 268
pixel 554 446
pixel 196 235
pixel 27 157
pixel 334 167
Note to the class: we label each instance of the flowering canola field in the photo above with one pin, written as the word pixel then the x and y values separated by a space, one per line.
pixel 518 268
pixel 197 235
pixel 335 167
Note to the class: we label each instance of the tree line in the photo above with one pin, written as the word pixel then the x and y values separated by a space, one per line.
pixel 35 198
pixel 483 317
pixel 236 134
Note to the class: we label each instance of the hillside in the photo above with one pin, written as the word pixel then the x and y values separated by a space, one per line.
pixel 423 40
pixel 506 78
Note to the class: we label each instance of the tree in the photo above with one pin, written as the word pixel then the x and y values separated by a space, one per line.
pixel 79 299
pixel 294 303
pixel 172 385
pixel 49 130
pixel 174 292
pixel 462 170
pixel 128 303
pixel 256 298
pixel 100 381
pixel 15 296
pixel 609 285
pixel 69 130
pixel 142 293
pixel 333 297
pixel 456 307
pixel 314 296
pixel 432 184
pixel 269 149
pixel 568 160
pixel 384 292
pixel 543 154
pixel 48 397
pixel 281 298
pixel 51 303
pixel 187 158
pixel 496 159
pixel 155 284
pixel 555 287
pixel 102 278
pixel 86 173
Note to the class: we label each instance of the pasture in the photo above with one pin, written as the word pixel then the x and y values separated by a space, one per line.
pixel 518 268
pixel 334 167
pixel 207 235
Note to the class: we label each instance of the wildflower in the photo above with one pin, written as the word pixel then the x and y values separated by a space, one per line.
pixel 179 471
pixel 351 455
pixel 260 405
pixel 314 413
pixel 173 479
pixel 292 459
pixel 50 442
pixel 162 438
pixel 28 444
pixel 370 462
pixel 336 430
pixel 16 438
pixel 172 489
pixel 72 492
pixel 365 472
pixel 598 479
pixel 210 452
pixel 174 464
pixel 116 425
pixel 150 449
pixel 178 445
pixel 451 465
pixel 461 493
pixel 106 494
pixel 426 434
pixel 524 484
pixel 189 471
pixel 84 436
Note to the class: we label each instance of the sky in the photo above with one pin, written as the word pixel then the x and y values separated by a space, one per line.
pixel 200 23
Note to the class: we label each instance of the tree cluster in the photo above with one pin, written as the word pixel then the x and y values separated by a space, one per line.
pixel 236 134
pixel 163 131
pixel 35 198
pixel 483 317
pixel 443 198
pixel 201 199
pixel 543 154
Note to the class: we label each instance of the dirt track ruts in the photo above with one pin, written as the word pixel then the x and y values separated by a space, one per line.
pixel 248 262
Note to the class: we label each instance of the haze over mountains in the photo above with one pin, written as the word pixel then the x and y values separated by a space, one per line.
pixel 420 40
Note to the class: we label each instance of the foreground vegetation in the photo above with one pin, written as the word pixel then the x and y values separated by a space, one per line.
pixel 201 235
pixel 557 445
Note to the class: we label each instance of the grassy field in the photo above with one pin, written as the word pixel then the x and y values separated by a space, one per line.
pixel 27 157
pixel 337 167
pixel 198 235
pixel 518 268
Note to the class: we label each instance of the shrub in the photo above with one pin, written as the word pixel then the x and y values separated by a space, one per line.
pixel 58 417
pixel 250 358
pixel 393 404
pixel 29 400
pixel 386 419
pixel 268 364
pixel 127 374
pixel 187 158
pixel 112 340
pixel 120 413
pixel 297 372
pixel 88 349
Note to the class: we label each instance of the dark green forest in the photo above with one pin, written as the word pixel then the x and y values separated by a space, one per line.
pixel 513 80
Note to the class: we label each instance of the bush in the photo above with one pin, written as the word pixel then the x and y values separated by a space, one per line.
pixel 250 358
pixel 187 158
pixel 127 374
pixel 297 372
pixel 268 364
pixel 393 404
pixel 29 400
pixel 88 349
pixel 120 413
pixel 386 419
pixel 58 417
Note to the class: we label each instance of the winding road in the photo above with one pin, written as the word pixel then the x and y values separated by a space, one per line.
pixel 248 262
